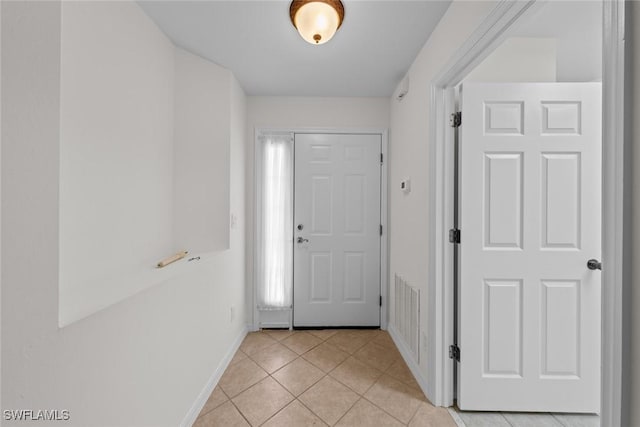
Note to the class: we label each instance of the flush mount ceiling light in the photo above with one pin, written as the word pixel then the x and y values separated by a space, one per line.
pixel 316 20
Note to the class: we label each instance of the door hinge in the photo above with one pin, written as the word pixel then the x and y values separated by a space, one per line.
pixel 454 235
pixel 455 120
pixel 381 158
pixel 380 300
pixel 381 229
pixel 454 352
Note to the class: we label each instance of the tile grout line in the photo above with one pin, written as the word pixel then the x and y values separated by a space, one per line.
pixel 311 410
pixel 328 374
pixel 240 412
pixel 506 419
pixel 349 410
pixel 285 387
pixel 362 396
pixel 368 339
pixel 281 409
pixel 303 404
pixel 383 410
pixel 296 398
pixel 371 340
pixel 559 420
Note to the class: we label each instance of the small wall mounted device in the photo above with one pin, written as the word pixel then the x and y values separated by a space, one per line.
pixel 405 185
pixel 403 89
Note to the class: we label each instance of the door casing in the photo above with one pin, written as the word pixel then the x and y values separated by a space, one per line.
pixel 384 211
pixel 494 29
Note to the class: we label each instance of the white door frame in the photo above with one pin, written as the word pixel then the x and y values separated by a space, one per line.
pixel 384 239
pixel 479 45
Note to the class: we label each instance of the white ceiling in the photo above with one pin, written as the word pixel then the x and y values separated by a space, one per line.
pixel 368 56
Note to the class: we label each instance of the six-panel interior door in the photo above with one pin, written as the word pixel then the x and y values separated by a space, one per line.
pixel 336 230
pixel 530 221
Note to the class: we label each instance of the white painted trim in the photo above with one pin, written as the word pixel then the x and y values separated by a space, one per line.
pixel 440 288
pixel 476 48
pixel 456 417
pixel 197 406
pixel 612 209
pixel 384 240
pixel 489 34
pixel 257 215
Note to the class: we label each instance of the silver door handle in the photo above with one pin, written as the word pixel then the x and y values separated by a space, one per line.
pixel 302 240
pixel 594 264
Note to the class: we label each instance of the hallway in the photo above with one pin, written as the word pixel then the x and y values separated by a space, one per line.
pixel 319 377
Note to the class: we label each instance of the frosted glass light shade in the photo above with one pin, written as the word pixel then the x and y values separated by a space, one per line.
pixel 317 21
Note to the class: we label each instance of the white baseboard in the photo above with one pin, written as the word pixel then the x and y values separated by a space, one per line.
pixel 409 359
pixel 197 406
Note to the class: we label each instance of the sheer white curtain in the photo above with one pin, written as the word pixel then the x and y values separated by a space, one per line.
pixel 275 279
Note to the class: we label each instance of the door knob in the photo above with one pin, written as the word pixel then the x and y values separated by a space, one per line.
pixel 594 264
pixel 302 240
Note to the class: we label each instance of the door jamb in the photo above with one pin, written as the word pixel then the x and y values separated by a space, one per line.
pixel 384 209
pixel 481 43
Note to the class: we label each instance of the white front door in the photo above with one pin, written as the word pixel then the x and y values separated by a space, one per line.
pixel 530 220
pixel 337 230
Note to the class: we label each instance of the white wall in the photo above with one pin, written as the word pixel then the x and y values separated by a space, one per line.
pixel 116 142
pixel 201 154
pixel 298 113
pixel 518 59
pixel 142 361
pixel 238 211
pixel 144 166
pixel 560 41
pixel 410 133
pixel 409 214
pixel 580 44
pixel 577 28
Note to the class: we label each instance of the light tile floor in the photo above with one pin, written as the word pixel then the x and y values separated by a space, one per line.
pixel 522 419
pixel 281 378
